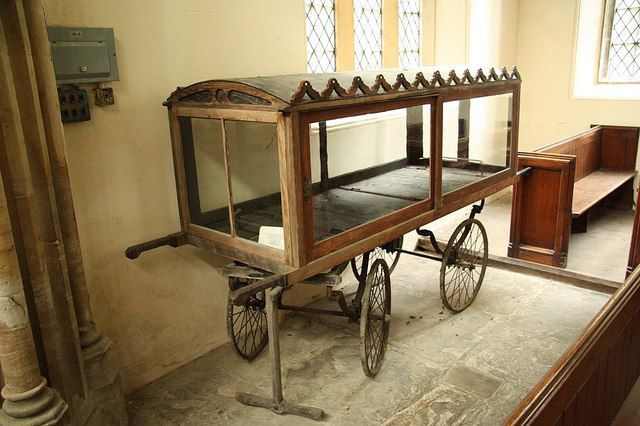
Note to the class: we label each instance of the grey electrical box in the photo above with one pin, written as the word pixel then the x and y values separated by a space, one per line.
pixel 83 55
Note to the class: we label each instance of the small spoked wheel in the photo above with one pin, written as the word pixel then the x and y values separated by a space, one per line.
pixel 375 316
pixel 247 324
pixel 464 263
pixel 386 252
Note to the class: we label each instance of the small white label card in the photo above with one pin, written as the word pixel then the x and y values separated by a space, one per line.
pixel 272 236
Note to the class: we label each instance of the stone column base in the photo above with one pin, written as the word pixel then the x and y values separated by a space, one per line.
pixel 39 406
pixel 107 399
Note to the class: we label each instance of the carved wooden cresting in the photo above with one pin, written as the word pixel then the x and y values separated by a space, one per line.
pixel 223 92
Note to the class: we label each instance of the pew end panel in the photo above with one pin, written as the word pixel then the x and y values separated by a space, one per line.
pixel 604 160
pixel 541 209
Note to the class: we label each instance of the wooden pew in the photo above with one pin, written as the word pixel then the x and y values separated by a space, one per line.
pixel 564 182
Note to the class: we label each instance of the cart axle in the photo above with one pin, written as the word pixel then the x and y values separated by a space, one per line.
pixel 423 255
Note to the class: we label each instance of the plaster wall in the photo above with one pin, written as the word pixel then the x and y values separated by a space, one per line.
pixel 168 307
pixel 549 111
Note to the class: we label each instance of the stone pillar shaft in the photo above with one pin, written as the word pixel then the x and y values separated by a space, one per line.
pixel 27 398
pixel 47 91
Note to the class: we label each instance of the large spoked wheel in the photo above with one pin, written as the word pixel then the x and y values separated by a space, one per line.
pixel 375 316
pixel 386 252
pixel 247 324
pixel 464 263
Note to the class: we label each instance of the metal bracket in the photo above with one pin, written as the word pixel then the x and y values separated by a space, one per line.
pixel 432 239
pixel 307 187
pixel 476 209
pixel 524 172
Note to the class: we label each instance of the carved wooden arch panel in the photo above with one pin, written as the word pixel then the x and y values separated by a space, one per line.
pixel 224 93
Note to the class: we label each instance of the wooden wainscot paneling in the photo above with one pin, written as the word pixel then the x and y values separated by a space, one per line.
pixel 541 209
pixel 619 147
pixel 590 381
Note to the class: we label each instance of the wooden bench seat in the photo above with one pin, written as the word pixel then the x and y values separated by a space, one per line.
pixel 564 182
pixel 595 187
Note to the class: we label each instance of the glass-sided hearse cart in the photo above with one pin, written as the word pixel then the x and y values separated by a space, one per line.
pixel 295 176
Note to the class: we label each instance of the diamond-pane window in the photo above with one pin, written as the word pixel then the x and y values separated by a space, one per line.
pixel 321 35
pixel 620 56
pixel 367 23
pixel 409 33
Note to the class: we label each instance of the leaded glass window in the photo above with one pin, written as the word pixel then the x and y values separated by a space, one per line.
pixel 321 35
pixel 367 17
pixel 620 55
pixel 409 33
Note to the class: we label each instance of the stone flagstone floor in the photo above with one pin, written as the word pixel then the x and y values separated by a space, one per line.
pixel 470 368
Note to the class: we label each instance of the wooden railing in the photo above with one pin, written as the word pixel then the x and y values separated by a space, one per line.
pixel 591 380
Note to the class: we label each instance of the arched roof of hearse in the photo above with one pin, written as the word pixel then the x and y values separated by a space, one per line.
pixel 282 91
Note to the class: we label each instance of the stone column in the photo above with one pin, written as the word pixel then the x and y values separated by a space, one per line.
pixel 28 187
pixel 28 399
pixel 93 344
pixel 102 380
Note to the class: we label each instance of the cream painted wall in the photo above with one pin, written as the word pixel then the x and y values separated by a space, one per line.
pixel 167 307
pixel 545 60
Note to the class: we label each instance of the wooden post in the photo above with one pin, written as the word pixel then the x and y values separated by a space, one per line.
pixel 324 156
pixel 414 136
pixel 277 403
pixel 28 399
pixel 273 295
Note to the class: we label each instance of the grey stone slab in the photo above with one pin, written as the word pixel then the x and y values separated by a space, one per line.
pixel 444 405
pixel 515 355
pixel 477 383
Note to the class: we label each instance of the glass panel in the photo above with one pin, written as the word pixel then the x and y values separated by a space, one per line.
pixel 368 166
pixel 254 177
pixel 367 22
pixel 321 35
pixel 205 173
pixel 476 138
pixel 624 51
pixel 409 33
pixel 255 181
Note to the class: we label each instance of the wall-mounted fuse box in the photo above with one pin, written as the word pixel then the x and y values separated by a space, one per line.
pixel 83 55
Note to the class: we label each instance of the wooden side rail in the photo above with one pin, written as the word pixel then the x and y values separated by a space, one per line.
pixel 602 172
pixel 591 380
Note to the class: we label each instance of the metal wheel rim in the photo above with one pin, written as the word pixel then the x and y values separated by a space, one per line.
pixel 247 324
pixel 375 318
pixel 464 264
pixel 390 258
